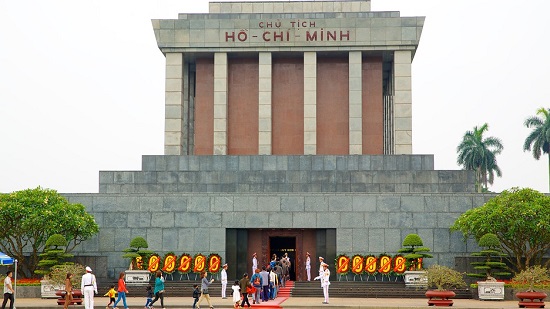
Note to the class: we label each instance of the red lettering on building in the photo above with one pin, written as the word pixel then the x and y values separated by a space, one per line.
pixel 342 35
pixel 311 36
pixel 230 36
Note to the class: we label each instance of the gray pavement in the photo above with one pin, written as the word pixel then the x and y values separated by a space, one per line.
pixel 290 303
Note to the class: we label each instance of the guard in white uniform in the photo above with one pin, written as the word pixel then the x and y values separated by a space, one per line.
pixel 254 263
pixel 325 282
pixel 224 280
pixel 308 266
pixel 88 286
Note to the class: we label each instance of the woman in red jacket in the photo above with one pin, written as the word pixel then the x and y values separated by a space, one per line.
pixel 121 291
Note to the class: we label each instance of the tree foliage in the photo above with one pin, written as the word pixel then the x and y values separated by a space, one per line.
pixel 59 274
pixel 443 277
pixel 538 141
pixel 519 218
pixel 414 249
pixel 531 276
pixel 29 217
pixel 54 255
pixel 492 254
pixel 136 253
pixel 479 154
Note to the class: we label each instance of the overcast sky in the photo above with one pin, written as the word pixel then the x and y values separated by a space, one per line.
pixel 82 85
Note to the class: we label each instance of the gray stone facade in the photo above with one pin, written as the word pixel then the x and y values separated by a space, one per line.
pixel 184 220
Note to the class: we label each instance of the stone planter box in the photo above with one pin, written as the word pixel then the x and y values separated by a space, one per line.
pixel 28 291
pixel 137 277
pixel 47 289
pixel 489 290
pixel 416 278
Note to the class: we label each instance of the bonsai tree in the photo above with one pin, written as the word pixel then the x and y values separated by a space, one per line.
pixel 444 278
pixel 531 276
pixel 490 266
pixel 414 250
pixel 54 255
pixel 136 254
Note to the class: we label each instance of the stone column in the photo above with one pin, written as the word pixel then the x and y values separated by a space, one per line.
pixel 174 133
pixel 220 103
pixel 264 96
pixel 355 103
pixel 310 103
pixel 402 101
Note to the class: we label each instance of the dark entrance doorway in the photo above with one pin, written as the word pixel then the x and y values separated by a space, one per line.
pixel 282 245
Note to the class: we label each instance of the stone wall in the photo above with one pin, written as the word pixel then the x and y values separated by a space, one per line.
pixel 196 223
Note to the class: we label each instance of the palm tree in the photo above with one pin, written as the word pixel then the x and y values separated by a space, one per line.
pixel 479 154
pixel 539 138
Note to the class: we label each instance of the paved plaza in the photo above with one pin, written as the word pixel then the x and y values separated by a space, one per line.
pixel 292 302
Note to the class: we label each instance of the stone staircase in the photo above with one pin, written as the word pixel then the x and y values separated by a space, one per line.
pixel 354 289
pixel 365 289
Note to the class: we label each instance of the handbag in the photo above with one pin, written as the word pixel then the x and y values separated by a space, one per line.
pixel 161 291
pixel 250 289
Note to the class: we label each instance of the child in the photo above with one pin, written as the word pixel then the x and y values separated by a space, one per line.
pixel 196 294
pixel 150 295
pixel 236 294
pixel 111 295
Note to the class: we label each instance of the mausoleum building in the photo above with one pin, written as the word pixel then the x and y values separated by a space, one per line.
pixel 288 129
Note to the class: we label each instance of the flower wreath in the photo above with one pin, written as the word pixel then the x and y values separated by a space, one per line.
pixel 214 263
pixel 199 263
pixel 154 263
pixel 169 262
pixel 357 264
pixel 384 264
pixel 185 263
pixel 371 265
pixel 342 264
pixel 399 264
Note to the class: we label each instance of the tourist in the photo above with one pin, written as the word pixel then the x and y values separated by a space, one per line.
pixel 159 289
pixel 204 290
pixel 150 295
pixel 111 294
pixel 196 294
pixel 88 285
pixel 285 272
pixel 122 290
pixel 68 291
pixel 236 294
pixel 273 261
pixel 256 281
pixel 8 290
pixel 245 287
pixel 224 280
pixel 272 284
pixel 265 284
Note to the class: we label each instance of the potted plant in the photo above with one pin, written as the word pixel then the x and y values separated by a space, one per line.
pixel 490 267
pixel 57 277
pixel 527 279
pixel 54 255
pixel 414 253
pixel 442 278
pixel 137 272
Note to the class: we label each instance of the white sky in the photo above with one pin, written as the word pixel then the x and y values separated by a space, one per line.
pixel 82 85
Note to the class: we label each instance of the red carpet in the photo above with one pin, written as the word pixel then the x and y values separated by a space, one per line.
pixel 282 295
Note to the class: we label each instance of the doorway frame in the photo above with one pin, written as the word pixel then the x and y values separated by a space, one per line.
pixel 298 234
